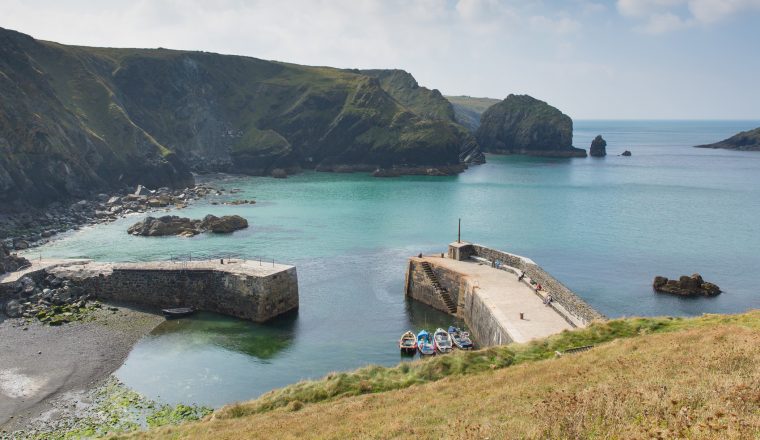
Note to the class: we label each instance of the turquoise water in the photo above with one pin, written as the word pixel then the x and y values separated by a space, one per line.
pixel 605 227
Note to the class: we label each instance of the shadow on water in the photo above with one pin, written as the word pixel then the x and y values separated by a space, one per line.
pixel 263 341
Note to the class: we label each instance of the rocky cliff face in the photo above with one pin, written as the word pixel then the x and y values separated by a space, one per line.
pixel 521 124
pixel 77 119
pixel 63 130
pixel 744 141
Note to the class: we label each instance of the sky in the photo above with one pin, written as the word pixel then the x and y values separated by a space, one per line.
pixel 593 59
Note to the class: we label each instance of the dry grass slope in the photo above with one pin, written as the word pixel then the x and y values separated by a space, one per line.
pixel 698 379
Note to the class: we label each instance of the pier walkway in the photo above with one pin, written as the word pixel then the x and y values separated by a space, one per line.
pixel 506 297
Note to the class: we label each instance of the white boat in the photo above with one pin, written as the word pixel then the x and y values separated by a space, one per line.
pixel 442 341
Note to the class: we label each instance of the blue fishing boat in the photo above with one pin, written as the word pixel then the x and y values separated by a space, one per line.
pixel 425 343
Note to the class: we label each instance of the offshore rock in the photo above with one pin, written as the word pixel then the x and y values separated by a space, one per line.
pixel 225 224
pixel 598 147
pixel 186 227
pixel 626 153
pixel 521 124
pixel 685 286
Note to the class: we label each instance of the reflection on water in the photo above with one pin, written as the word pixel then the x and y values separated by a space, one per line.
pixel 209 329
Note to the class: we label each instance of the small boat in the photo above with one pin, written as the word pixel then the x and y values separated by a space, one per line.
pixel 424 344
pixel 179 312
pixel 408 343
pixel 442 341
pixel 460 338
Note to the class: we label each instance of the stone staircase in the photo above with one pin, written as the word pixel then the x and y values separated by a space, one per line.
pixel 440 290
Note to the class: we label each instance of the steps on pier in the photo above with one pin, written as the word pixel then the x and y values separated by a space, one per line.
pixel 442 292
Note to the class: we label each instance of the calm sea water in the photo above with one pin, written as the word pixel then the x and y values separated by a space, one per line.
pixel 605 227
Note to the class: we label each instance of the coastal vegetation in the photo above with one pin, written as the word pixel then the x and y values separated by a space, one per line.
pixel 662 377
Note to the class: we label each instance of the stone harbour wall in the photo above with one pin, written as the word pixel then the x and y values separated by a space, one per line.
pixel 240 290
pixel 571 302
pixel 418 286
pixel 483 325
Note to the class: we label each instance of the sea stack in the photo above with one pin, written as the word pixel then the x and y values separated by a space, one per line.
pixel 598 147
pixel 521 124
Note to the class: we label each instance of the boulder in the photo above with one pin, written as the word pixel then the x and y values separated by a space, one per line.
pixel 279 173
pixel 626 153
pixel 166 225
pixel 13 309
pixel 10 262
pixel 185 227
pixel 598 147
pixel 225 224
pixel 693 285
pixel 141 191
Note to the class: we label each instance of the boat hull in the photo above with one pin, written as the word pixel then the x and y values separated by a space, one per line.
pixel 177 313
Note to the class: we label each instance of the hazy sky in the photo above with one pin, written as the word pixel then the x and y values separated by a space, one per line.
pixel 590 58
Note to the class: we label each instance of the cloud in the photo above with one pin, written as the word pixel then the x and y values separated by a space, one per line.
pixel 659 16
pixel 563 25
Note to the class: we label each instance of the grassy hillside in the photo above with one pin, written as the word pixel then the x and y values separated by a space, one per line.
pixel 467 109
pixel 74 119
pixel 645 378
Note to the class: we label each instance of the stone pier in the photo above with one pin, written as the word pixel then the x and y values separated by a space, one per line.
pixel 496 305
pixel 244 289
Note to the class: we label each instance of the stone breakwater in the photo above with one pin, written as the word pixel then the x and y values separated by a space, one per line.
pixel 497 304
pixel 571 302
pixel 240 288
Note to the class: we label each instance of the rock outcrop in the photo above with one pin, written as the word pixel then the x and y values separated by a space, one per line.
pixel 186 227
pixel 10 262
pixel 521 124
pixel 598 147
pixel 686 286
pixel 74 120
pixel 744 141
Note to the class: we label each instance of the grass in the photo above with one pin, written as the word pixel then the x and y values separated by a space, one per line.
pixel 647 377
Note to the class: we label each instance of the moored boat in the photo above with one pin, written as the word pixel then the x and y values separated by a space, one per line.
pixel 425 344
pixel 461 339
pixel 178 312
pixel 408 343
pixel 442 341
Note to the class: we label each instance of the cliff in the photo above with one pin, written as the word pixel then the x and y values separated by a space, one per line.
pixel 744 141
pixel 521 124
pixel 80 119
pixel 468 110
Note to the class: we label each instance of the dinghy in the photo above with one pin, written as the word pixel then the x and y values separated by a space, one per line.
pixel 408 343
pixel 179 312
pixel 442 341
pixel 460 338
pixel 424 344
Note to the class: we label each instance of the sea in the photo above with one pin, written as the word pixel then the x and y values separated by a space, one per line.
pixel 605 227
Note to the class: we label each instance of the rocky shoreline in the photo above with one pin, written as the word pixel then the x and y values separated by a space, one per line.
pixel 36 226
